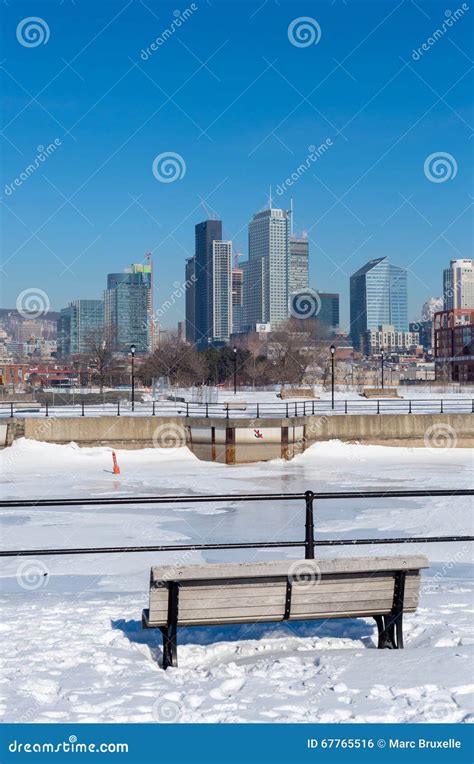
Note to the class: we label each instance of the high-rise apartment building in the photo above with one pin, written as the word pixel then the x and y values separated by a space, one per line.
pixel 266 272
pixel 127 309
pixel 221 290
pixel 298 265
pixel 80 327
pixel 190 299
pixel 458 285
pixel 378 296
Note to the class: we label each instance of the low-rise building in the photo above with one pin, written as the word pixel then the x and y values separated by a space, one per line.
pixel 386 337
pixel 454 354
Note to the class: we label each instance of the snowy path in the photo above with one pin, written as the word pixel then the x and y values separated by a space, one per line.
pixel 72 646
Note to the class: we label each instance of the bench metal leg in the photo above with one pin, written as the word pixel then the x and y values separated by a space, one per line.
pixel 170 632
pixel 390 627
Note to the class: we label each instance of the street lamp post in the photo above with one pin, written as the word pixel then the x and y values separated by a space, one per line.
pixel 235 370
pixel 333 352
pixel 381 360
pixel 132 353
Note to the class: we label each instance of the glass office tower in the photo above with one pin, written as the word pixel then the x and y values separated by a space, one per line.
pixel 127 310
pixel 378 296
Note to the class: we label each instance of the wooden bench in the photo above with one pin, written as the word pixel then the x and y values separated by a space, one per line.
pixel 380 392
pixel 231 593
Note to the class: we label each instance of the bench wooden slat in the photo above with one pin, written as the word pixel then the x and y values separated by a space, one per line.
pixel 283 567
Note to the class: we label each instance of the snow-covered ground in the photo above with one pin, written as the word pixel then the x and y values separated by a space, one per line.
pixel 71 641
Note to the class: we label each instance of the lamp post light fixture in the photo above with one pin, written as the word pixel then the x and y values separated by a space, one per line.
pixel 235 370
pixel 132 353
pixel 381 361
pixel 333 353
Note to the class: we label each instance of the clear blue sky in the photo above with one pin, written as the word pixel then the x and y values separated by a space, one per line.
pixel 231 71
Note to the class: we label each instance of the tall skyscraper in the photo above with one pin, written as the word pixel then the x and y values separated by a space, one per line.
pixel 458 285
pixel 205 234
pixel 127 309
pixel 190 277
pixel 378 296
pixel 213 284
pixel 266 274
pixel 221 290
pixel 237 299
pixel 298 268
pixel 80 327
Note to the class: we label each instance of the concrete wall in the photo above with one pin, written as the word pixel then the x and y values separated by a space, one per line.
pixel 392 429
pixel 248 440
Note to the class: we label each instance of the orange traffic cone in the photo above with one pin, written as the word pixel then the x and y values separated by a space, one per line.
pixel 116 467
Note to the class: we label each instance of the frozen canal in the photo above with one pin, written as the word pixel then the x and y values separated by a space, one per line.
pixel 73 648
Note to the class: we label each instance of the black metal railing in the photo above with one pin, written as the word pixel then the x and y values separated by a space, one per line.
pixel 309 543
pixel 238 409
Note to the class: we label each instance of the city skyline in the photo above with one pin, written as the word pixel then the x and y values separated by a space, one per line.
pixel 351 146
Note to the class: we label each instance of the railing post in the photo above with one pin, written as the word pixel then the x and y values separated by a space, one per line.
pixel 378 407
pixel 258 411
pixel 227 411
pixel 345 406
pixel 153 409
pixel 187 409
pixel 472 406
pixel 287 412
pixel 312 409
pixel 11 410
pixel 118 407
pixel 47 412
pixel 309 526
pixel 207 411
pixel 409 406
pixel 441 409
pixel 82 408
pixel 296 409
